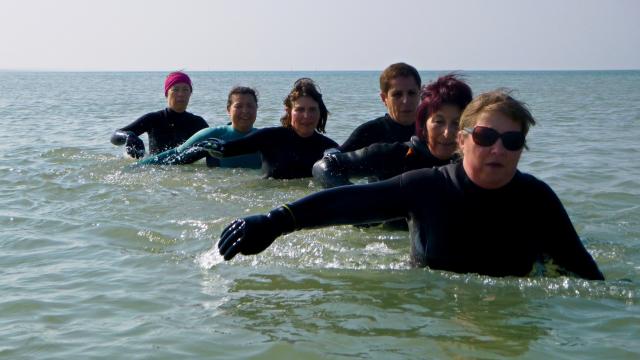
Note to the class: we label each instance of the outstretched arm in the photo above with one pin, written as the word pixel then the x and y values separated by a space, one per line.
pixel 129 136
pixel 195 148
pixel 356 204
pixel 336 168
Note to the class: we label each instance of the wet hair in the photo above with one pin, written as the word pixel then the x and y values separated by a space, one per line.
pixel 398 70
pixel 499 101
pixel 448 89
pixel 301 88
pixel 241 90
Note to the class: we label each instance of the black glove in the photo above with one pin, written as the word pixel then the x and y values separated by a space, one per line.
pixel 329 172
pixel 253 234
pixel 134 146
pixel 214 147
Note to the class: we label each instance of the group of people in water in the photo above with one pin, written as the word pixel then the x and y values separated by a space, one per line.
pixel 441 161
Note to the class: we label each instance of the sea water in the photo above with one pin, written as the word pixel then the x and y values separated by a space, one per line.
pixel 102 261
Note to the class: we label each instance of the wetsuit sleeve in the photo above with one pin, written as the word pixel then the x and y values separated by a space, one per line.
pixel 336 168
pixel 357 204
pixel 186 153
pixel 140 126
pixel 134 146
pixel 563 244
pixel 251 143
pixel 342 205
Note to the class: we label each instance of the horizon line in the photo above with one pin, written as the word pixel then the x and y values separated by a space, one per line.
pixel 307 70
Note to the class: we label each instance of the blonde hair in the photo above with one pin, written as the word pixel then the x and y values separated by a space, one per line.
pixel 499 101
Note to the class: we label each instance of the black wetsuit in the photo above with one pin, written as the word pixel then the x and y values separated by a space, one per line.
pixel 285 155
pixel 166 128
pixel 382 129
pixel 458 226
pixel 378 161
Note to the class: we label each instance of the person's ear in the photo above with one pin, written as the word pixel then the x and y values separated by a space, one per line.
pixel 383 97
pixel 461 139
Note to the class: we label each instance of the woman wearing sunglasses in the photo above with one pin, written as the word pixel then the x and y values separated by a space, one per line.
pixel 434 144
pixel 481 215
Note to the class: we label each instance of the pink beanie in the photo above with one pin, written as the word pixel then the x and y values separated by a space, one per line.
pixel 175 78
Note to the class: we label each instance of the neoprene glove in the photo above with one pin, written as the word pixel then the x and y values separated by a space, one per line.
pixel 214 147
pixel 253 234
pixel 134 146
pixel 329 171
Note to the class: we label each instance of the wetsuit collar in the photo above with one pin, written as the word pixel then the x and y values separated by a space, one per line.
pixel 469 186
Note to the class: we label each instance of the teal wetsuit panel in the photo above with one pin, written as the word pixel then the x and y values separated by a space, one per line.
pixel 226 133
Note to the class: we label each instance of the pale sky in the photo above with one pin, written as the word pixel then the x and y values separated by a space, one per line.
pixel 194 35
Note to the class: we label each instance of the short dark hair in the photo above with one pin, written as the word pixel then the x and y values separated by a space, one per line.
pixel 398 70
pixel 305 87
pixel 448 89
pixel 241 90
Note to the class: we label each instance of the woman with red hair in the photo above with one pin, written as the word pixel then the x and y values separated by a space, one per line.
pixel 434 144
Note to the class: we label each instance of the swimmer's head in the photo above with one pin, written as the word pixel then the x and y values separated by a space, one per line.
pixel 242 106
pixel 398 70
pixel 301 88
pixel 241 90
pixel 450 90
pixel 499 101
pixel 176 77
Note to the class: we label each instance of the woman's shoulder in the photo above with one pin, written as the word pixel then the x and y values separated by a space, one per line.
pixel 327 141
pixel 534 186
pixel 196 119
pixel 421 177
pixel 215 131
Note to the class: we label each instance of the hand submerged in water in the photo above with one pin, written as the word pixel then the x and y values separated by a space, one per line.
pixel 134 147
pixel 253 234
pixel 214 147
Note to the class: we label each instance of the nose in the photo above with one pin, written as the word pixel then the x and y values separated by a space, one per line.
pixel 447 132
pixel 450 131
pixel 498 147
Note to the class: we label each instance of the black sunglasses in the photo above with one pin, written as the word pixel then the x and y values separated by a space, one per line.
pixel 486 136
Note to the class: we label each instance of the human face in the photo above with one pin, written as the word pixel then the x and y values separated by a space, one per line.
pixel 305 116
pixel 490 167
pixel 402 99
pixel 242 111
pixel 178 97
pixel 441 131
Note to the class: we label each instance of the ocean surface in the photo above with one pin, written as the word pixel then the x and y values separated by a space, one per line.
pixel 99 261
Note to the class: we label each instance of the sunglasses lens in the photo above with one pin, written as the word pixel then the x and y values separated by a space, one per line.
pixel 513 140
pixel 485 136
